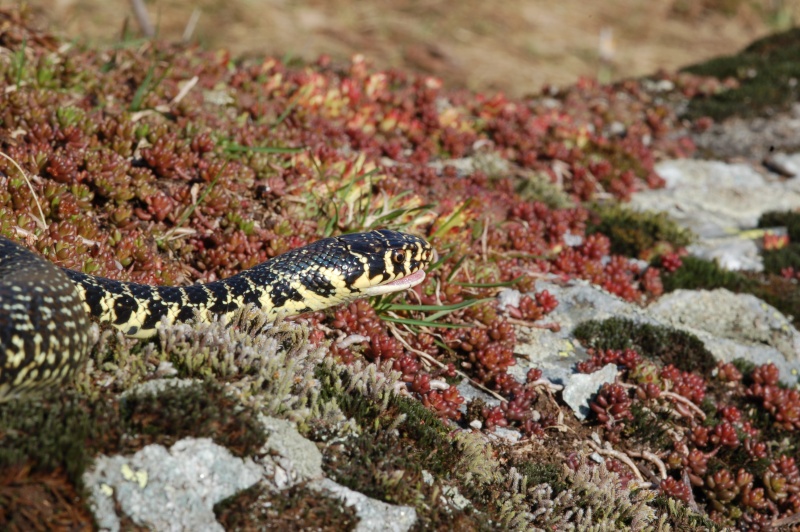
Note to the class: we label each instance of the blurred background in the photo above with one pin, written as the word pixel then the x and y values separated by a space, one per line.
pixel 513 46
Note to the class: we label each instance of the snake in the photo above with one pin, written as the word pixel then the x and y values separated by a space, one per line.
pixel 45 310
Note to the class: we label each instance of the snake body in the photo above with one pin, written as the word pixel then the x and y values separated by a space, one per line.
pixel 44 323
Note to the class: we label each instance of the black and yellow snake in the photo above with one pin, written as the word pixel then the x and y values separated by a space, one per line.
pixel 44 324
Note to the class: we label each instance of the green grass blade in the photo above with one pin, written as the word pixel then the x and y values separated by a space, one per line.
pixel 435 316
pixel 142 90
pixel 421 323
pixel 19 62
pixel 452 220
pixel 442 260
pixel 455 268
pixel 283 115
pixel 397 213
pixel 426 308
pixel 491 285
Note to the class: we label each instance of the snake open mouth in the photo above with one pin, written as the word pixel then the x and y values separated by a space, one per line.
pixel 407 282
pixel 397 285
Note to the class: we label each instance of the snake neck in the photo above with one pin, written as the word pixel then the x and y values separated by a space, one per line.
pixel 322 274
pixel 138 309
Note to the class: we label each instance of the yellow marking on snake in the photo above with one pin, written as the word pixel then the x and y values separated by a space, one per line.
pixel 322 274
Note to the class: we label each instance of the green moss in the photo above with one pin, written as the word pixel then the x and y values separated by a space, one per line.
pixel 397 440
pixel 671 346
pixel 648 427
pixel 776 260
pixel 296 508
pixel 62 431
pixel 417 427
pixel 788 219
pixel 744 366
pixel 544 473
pixel 764 70
pixel 637 234
pixel 424 427
pixel 200 410
pixel 66 431
pixel 537 187
pixel 701 274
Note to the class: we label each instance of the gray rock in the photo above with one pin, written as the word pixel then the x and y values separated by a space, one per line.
pixel 581 387
pixel 751 137
pixel 717 201
pixel 173 489
pixel 470 393
pixel 509 435
pixel 556 353
pixel 508 297
pixel 734 326
pixel 290 458
pixel 729 325
pixel 373 515
pixel 783 163
pixel 731 253
pixel 715 198
pixel 454 497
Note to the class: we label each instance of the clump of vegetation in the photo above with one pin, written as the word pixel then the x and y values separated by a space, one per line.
pixel 671 346
pixel 295 508
pixel 672 396
pixel 765 75
pixel 645 235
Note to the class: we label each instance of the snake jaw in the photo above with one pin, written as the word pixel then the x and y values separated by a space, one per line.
pixel 398 285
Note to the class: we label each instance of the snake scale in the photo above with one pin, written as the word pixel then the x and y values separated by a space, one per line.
pixel 44 310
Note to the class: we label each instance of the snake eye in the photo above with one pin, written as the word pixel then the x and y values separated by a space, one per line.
pixel 399 257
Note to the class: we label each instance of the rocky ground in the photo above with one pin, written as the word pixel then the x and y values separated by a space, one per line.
pixel 574 360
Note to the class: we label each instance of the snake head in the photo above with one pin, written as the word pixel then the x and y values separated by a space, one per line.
pixel 390 261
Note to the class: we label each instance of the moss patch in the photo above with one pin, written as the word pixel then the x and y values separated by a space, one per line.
pixel 788 219
pixel 701 274
pixel 296 508
pixel 681 517
pixel 396 442
pixel 671 346
pixel 767 72
pixel 200 410
pixel 788 256
pixel 39 501
pixel 62 432
pixel 638 234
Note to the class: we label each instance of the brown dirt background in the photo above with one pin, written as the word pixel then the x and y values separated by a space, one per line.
pixel 513 46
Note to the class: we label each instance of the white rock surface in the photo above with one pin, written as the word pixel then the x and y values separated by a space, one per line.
pixel 581 387
pixel 717 201
pixel 373 515
pixel 168 489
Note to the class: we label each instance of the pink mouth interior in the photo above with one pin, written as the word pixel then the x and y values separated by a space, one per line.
pixel 412 280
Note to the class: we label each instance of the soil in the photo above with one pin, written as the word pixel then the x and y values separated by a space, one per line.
pixel 515 47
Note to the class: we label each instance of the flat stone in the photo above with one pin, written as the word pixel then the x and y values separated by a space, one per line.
pixel 734 326
pixel 373 515
pixel 581 387
pixel 168 489
pixel 298 456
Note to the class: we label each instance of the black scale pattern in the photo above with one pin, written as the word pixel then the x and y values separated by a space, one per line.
pixel 43 316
